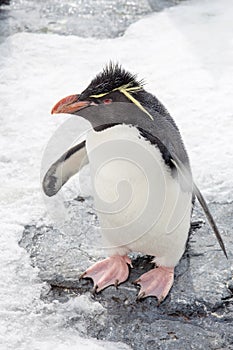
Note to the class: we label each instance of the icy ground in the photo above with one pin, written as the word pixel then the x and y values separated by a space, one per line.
pixel 85 18
pixel 186 56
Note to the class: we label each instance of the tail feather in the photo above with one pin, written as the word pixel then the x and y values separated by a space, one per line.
pixel 210 218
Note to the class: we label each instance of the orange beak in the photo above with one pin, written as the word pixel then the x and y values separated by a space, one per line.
pixel 69 104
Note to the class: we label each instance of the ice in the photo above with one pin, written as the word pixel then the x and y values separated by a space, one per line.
pixel 186 56
pixel 89 18
pixel 102 18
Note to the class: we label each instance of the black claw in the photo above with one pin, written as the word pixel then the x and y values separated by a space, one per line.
pixel 140 295
pixel 116 283
pixel 136 281
pixel 82 275
pixel 160 300
pixel 94 290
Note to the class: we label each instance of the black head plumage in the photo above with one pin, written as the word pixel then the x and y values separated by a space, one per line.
pixel 112 77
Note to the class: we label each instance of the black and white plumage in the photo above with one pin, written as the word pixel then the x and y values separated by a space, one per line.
pixel 135 143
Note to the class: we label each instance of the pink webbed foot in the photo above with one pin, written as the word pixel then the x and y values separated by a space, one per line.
pixel 111 271
pixel 156 282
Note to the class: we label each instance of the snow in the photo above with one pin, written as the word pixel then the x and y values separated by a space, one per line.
pixel 186 55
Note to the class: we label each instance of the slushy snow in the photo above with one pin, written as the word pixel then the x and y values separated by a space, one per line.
pixel 186 55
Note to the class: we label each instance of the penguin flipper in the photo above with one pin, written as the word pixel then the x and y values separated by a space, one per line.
pixel 210 218
pixel 66 166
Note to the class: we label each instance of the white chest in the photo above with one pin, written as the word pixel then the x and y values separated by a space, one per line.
pixel 136 199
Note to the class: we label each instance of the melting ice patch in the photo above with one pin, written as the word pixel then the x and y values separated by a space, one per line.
pixel 186 55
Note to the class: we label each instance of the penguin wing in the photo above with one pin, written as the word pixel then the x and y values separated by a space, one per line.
pixel 210 218
pixel 66 166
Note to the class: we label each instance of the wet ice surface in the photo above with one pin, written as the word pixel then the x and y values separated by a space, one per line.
pixel 193 77
pixel 100 19
pixel 200 301
pixel 63 254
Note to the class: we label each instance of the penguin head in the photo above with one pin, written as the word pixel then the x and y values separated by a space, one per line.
pixel 113 92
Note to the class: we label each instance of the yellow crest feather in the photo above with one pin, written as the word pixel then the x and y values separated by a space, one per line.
pixel 126 89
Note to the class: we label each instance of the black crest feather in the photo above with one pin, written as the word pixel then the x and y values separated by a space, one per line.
pixel 113 76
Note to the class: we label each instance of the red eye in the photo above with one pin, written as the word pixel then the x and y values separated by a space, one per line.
pixel 107 101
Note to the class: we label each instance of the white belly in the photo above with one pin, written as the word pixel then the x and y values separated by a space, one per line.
pixel 141 207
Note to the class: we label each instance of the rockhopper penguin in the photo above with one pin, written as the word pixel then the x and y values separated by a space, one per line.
pixel 141 176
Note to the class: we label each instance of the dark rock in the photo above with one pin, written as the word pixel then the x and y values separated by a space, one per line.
pixel 4 2
pixel 197 314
